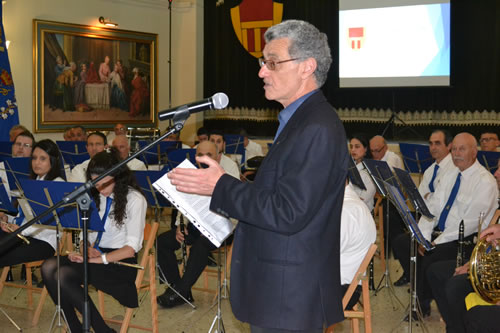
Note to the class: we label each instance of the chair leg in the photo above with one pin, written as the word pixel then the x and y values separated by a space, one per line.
pixel 3 277
pixel 152 292
pixel 38 310
pixel 29 284
pixel 100 300
pixel 382 238
pixel 367 307
pixel 126 320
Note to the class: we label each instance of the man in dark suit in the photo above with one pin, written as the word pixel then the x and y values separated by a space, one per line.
pixel 285 269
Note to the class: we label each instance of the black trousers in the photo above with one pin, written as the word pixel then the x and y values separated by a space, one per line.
pixel 438 275
pixel 442 252
pixel 256 329
pixel 196 263
pixel 16 251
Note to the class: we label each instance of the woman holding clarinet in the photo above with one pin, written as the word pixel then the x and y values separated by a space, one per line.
pixel 122 207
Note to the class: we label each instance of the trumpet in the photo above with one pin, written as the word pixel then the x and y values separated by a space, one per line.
pixel 21 237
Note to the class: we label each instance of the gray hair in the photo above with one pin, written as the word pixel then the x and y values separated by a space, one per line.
pixel 306 41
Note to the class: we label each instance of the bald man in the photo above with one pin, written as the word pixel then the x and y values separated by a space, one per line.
pixel 380 152
pixel 122 145
pixel 170 241
pixel 463 194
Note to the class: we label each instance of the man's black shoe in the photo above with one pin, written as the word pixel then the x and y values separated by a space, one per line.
pixel 170 299
pixel 403 281
pixel 425 313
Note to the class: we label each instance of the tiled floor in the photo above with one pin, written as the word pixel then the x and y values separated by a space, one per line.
pixel 387 313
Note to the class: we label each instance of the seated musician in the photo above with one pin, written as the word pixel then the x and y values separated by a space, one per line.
pixel 359 149
pixel 357 234
pixel 121 143
pixel 171 240
pixel 44 165
pixel 96 143
pixel 123 208
pixel 462 195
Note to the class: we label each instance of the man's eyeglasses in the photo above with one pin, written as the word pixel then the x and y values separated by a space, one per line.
pixel 271 64
pixel 376 151
pixel 23 145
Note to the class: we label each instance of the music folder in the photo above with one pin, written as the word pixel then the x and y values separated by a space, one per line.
pixel 354 175
pixel 196 208
pixel 416 157
pixel 399 202
pixel 42 194
pixel 412 192
pixel 17 168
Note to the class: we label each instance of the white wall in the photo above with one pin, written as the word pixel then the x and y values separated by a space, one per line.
pixel 150 16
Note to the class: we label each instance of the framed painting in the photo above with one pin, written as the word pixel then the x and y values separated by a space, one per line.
pixel 93 76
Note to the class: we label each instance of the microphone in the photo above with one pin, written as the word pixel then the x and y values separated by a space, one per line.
pixel 217 101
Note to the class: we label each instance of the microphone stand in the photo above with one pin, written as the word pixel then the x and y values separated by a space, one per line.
pixel 81 196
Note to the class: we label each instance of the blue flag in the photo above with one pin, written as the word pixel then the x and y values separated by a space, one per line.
pixel 9 115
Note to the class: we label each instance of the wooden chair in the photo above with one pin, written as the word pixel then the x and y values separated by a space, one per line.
pixel 494 219
pixel 30 288
pixel 148 261
pixel 213 272
pixel 378 214
pixel 354 315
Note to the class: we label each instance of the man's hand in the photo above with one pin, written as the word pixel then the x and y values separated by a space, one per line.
pixel 462 269
pixel 421 250
pixel 492 234
pixel 179 236
pixel 200 181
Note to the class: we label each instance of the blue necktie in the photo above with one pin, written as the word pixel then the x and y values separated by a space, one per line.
pixel 431 184
pixel 449 203
pixel 109 201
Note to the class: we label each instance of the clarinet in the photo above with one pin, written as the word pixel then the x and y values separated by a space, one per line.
pixel 183 244
pixel 460 253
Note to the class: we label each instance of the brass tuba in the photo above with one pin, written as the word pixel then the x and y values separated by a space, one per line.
pixel 484 272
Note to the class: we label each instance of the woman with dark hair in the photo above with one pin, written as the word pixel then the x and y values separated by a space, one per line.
pixel 360 149
pixel 45 165
pixel 122 207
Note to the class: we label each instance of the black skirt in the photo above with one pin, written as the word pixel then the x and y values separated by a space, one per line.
pixel 115 280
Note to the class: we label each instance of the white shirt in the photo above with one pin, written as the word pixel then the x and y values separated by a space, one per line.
pixel 445 166
pixel 478 193
pixel 357 234
pixel 365 195
pixel 131 233
pixel 135 164
pixel 79 172
pixel 230 166
pixel 253 149
pixel 393 160
pixel 39 231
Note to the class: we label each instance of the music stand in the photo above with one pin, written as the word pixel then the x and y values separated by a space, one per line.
pixel 145 179
pixel 42 195
pixel 5 204
pixel 157 154
pixel 17 168
pixel 175 157
pixel 489 159
pixel 235 145
pixel 73 152
pixel 5 150
pixel 416 157
pixel 354 175
pixel 379 172
pixel 416 236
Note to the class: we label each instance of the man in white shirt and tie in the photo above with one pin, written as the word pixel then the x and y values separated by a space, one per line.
pixel 439 147
pixel 96 142
pixel 462 195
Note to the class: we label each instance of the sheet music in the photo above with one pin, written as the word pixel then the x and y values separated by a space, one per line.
pixel 196 208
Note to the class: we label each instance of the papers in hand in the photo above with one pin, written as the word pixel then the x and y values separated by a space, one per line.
pixel 196 208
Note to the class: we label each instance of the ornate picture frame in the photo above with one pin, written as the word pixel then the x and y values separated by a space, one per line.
pixel 93 76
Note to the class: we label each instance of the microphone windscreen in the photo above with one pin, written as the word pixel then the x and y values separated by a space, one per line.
pixel 220 100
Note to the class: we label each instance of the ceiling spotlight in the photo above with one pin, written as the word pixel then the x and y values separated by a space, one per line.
pixel 107 22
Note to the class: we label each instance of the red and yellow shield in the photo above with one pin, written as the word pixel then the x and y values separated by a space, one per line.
pixel 251 19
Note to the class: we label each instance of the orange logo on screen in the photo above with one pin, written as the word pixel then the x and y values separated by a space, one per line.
pixel 356 37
